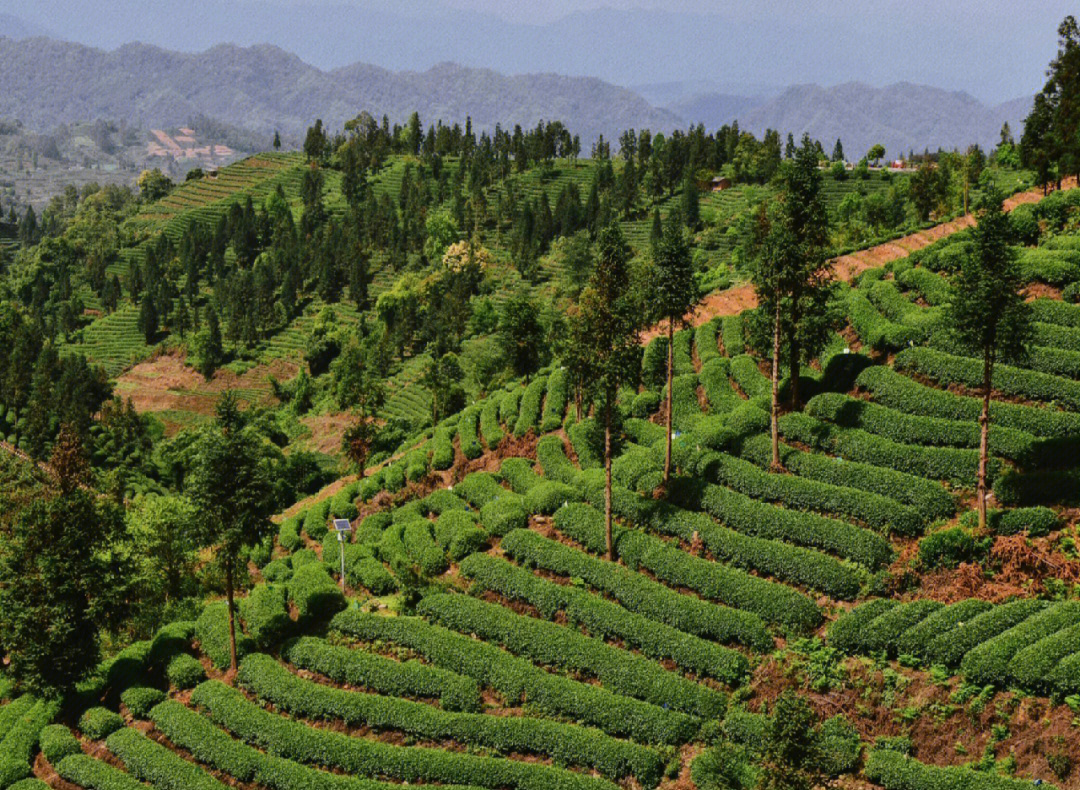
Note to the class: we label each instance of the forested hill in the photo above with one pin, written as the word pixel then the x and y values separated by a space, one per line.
pixel 44 83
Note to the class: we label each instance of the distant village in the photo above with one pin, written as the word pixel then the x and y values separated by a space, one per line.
pixel 184 145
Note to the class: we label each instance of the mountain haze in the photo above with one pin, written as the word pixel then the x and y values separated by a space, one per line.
pixel 902 117
pixel 45 82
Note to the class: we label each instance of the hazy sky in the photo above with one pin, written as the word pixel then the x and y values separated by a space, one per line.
pixel 994 49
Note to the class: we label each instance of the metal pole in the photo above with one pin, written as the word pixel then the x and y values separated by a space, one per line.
pixel 341 546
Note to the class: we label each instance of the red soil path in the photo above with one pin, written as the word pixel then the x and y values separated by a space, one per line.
pixel 733 301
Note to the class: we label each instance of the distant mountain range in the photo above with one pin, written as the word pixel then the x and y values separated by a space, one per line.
pixel 903 117
pixel 988 49
pixel 45 82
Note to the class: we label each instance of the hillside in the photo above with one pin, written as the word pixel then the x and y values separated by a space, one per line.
pixel 262 88
pixel 903 117
pixel 481 634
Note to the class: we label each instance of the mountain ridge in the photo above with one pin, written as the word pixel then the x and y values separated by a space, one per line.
pixel 45 82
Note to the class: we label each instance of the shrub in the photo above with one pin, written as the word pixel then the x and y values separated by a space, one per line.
pixel 342 505
pixel 289 533
pixel 29 784
pixel 949 369
pixel 1024 225
pixel 604 619
pixel 706 341
pixel 882 513
pixel 57 742
pixel 442 448
pixel 279 570
pixel 565 743
pixel 1036 666
pixel 847 632
pixel 519 474
pixel 212 631
pixel 504 514
pixel 531 402
pixel 139 700
pixel 421 547
pixel 84 771
pixel 989 662
pixel 633 590
pixel 185 672
pixel 549 496
pixel 416 465
pixel 511 404
pixel 467 433
pixel 479 488
pixel 372 527
pixel 883 632
pixel 314 593
pixel 751 517
pixel 558 385
pixel 916 640
pixel 887 297
pixel 587 437
pixel 549 644
pixel 394 478
pixel 97 723
pixel 489 420
pixel 383 675
pixel 315 520
pixel 948 548
pixel 952 646
pixel 645 403
pixel 1050 266
pixel 928 498
pixel 774 603
pixel 265 612
pixel 889 388
pixel 874 329
pixel 157 765
pixel 895 771
pixel 753 383
pixel 731 334
pixel 932 287
pixel 897 426
pixel 295 740
pixel 715 380
pixel 516 678
pixel 933 463
pixel 1035 521
pixel 654 362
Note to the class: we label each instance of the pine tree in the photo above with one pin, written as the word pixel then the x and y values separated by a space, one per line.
pixel 674 296
pixel 690 203
pixel 230 488
pixel 788 267
pixel 604 330
pixel 148 318
pixel 277 141
pixel 988 311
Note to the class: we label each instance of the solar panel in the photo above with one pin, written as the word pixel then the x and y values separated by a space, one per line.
pixel 342 525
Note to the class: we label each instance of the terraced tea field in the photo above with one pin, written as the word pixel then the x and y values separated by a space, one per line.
pixel 485 639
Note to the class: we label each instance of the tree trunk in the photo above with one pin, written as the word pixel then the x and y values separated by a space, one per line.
pixel 607 480
pixel 795 374
pixel 776 389
pixel 984 432
pixel 232 619
pixel 577 401
pixel 670 365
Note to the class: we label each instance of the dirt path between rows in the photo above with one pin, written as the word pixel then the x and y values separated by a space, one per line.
pixel 733 301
